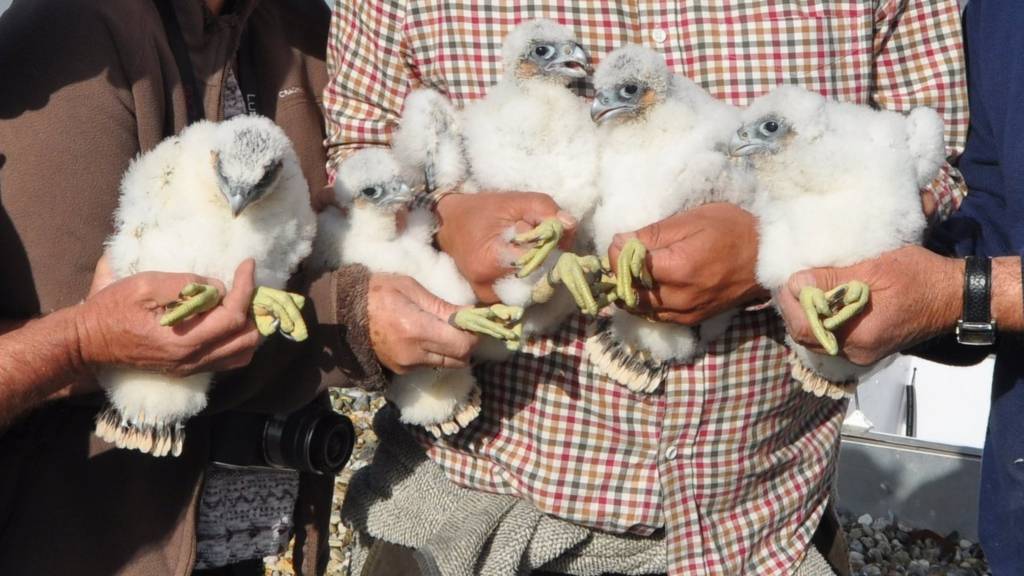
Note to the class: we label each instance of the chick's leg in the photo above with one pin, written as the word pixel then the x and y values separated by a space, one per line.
pixel 575 273
pixel 279 311
pixel 632 266
pixel 192 300
pixel 836 306
pixel 543 240
pixel 498 321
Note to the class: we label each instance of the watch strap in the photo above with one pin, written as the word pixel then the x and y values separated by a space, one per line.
pixel 978 290
pixel 976 326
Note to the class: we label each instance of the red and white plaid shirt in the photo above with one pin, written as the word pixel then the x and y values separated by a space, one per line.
pixel 734 460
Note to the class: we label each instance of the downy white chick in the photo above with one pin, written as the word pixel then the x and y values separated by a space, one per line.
pixel 662 141
pixel 837 183
pixel 202 202
pixel 532 132
pixel 380 233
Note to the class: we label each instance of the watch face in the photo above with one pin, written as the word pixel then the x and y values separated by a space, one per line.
pixel 976 333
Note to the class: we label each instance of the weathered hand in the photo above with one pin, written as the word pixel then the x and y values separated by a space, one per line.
pixel 474 231
pixel 915 295
pixel 119 324
pixel 702 263
pixel 409 326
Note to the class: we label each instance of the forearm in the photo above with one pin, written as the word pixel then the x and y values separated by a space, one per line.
pixel 37 359
pixel 1007 300
pixel 345 355
pixel 362 107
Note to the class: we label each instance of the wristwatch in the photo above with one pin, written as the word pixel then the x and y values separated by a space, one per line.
pixel 976 326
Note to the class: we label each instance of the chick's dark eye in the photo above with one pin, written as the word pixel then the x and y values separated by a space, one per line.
pixel 629 90
pixel 370 192
pixel 543 51
pixel 770 127
pixel 269 174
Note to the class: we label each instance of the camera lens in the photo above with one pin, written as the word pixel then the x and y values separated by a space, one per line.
pixel 314 439
pixel 331 443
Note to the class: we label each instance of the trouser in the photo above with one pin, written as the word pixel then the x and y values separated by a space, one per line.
pixel 828 554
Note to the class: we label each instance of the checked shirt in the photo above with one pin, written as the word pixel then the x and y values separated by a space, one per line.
pixel 733 460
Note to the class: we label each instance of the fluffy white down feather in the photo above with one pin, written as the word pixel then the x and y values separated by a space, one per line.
pixel 843 189
pixel 392 240
pixel 533 134
pixel 669 160
pixel 171 217
pixel 429 138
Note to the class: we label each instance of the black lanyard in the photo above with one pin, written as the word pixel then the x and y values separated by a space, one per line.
pixel 193 95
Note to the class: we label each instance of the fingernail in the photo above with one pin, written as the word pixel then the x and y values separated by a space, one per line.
pixel 619 240
pixel 800 280
pixel 566 219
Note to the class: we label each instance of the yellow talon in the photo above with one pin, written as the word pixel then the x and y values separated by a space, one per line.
pixel 632 265
pixel 279 311
pixel 544 239
pixel 836 306
pixel 498 321
pixel 192 300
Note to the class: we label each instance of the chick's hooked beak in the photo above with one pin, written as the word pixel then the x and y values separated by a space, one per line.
pixel 399 193
pixel 572 61
pixel 743 144
pixel 608 104
pixel 239 198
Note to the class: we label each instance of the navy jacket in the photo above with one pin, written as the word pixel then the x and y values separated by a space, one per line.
pixel 991 223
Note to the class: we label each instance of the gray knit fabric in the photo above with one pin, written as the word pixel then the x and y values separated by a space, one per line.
pixel 404 498
pixel 814 564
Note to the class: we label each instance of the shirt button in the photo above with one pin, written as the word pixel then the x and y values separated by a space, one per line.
pixel 670 453
pixel 659 36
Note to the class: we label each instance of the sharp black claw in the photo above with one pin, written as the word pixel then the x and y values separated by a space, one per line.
pixel 836 300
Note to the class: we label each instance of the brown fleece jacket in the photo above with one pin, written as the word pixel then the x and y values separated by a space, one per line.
pixel 85 86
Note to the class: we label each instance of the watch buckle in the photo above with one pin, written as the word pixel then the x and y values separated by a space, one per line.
pixel 976 333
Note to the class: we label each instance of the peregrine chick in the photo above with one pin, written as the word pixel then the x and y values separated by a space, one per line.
pixel 837 183
pixel 202 202
pixel 531 132
pixel 380 232
pixel 662 150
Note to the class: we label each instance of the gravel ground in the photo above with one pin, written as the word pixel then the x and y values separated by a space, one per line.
pixel 881 547
pixel 878 546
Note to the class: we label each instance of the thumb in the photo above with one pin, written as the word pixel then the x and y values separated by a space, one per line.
pixel 242 286
pixel 103 276
pixel 424 300
pixel 652 236
pixel 823 278
pixel 540 207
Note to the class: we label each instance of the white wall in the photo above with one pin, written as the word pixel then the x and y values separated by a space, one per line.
pixel 952 403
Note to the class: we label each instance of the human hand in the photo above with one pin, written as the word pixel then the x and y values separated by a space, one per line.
pixel 409 326
pixel 119 324
pixel 473 230
pixel 929 204
pixel 702 263
pixel 915 295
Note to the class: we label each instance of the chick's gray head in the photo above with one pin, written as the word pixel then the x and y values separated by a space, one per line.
pixel 776 120
pixel 372 178
pixel 248 154
pixel 629 82
pixel 766 135
pixel 544 50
